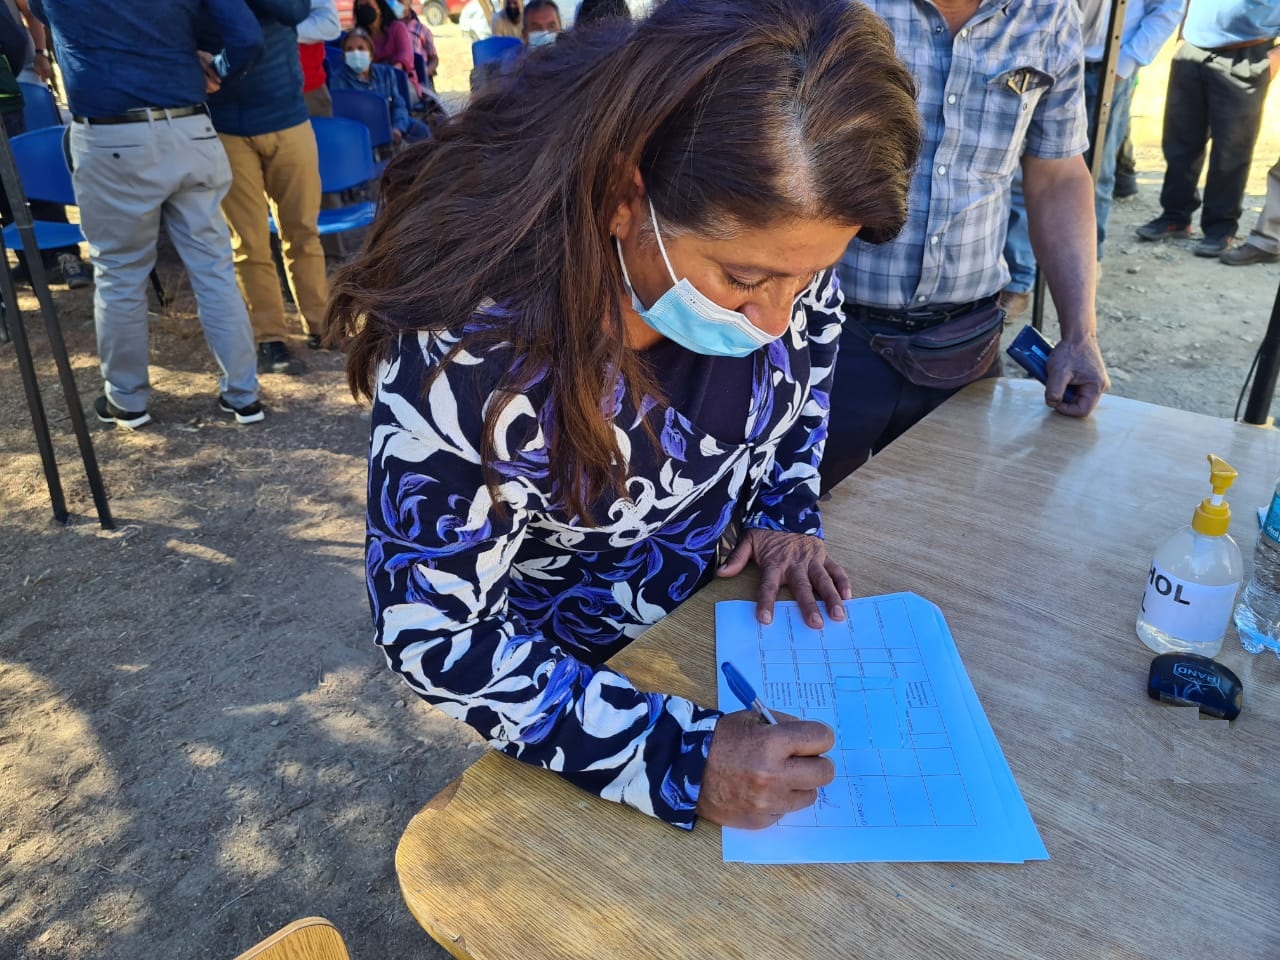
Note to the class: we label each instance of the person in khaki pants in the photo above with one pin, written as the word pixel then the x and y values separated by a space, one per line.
pixel 264 126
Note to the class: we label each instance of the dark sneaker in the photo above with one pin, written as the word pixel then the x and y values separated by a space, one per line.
pixel 249 413
pixel 1246 254
pixel 74 272
pixel 108 412
pixel 1212 247
pixel 1164 228
pixel 274 357
pixel 1125 188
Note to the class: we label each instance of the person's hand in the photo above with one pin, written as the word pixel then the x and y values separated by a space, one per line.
pixel 758 772
pixel 42 67
pixel 798 560
pixel 212 82
pixel 1077 363
pixel 397 137
pixel 1273 55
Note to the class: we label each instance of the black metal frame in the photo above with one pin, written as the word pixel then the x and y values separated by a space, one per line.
pixel 16 328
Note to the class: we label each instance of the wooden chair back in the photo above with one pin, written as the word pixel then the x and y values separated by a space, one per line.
pixel 311 939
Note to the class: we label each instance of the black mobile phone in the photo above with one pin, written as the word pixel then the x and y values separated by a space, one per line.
pixel 1031 350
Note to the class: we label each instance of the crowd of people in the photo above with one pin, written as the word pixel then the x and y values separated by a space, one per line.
pixel 734 249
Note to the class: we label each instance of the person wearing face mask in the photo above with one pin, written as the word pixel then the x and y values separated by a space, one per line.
pixel 508 19
pixel 392 42
pixel 541 23
pixel 599 385
pixel 359 72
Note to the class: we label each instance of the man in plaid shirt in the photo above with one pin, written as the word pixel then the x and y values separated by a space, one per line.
pixel 1000 83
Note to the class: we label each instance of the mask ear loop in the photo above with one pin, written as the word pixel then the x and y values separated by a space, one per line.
pixel 653 217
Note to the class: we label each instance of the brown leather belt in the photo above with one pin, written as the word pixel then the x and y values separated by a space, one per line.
pixel 143 114
pixel 1241 45
pixel 915 320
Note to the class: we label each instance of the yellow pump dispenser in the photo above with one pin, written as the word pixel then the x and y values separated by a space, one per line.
pixel 1194 576
pixel 1213 516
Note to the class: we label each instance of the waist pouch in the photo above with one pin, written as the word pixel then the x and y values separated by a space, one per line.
pixel 950 355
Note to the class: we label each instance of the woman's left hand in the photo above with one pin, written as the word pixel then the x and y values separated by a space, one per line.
pixel 798 560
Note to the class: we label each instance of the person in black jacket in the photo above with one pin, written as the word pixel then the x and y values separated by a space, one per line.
pixel 262 120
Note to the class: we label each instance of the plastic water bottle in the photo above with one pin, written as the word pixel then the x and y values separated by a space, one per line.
pixel 1194 577
pixel 1258 612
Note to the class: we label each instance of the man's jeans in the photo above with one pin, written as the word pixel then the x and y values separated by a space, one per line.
pixel 130 178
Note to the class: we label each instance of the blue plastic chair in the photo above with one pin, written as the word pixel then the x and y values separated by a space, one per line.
pixel 365 107
pixel 43 170
pixel 38 108
pixel 346 162
pixel 420 68
pixel 402 84
pixel 493 49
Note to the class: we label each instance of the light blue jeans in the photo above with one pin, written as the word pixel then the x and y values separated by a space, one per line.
pixel 130 178
pixel 1017 245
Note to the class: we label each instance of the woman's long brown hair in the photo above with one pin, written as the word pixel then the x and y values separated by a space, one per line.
pixel 738 113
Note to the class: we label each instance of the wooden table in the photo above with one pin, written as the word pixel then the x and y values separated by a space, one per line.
pixel 1033 532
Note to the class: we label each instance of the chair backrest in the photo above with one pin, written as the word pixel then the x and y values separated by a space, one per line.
pixel 311 939
pixel 402 84
pixel 38 107
pixel 42 166
pixel 346 153
pixel 366 107
pixel 420 67
pixel 492 49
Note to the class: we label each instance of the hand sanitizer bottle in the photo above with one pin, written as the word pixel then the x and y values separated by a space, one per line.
pixel 1192 584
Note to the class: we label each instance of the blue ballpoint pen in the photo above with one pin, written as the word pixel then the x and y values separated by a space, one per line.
pixel 742 690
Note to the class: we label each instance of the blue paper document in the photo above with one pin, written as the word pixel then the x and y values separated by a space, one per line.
pixel 919 774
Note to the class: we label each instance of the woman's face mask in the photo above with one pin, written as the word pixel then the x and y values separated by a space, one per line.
pixel 366 15
pixel 513 13
pixel 692 319
pixel 358 60
pixel 397 8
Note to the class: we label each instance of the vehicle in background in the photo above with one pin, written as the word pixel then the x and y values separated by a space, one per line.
pixel 433 12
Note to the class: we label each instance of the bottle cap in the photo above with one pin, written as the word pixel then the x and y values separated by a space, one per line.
pixel 1213 516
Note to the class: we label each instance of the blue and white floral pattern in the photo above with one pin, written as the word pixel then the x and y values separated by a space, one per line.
pixel 501 613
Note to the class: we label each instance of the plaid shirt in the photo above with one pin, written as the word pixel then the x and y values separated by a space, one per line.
pixel 1010 81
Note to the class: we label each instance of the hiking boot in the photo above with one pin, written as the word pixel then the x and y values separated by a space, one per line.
pixel 1246 254
pixel 108 412
pixel 274 357
pixel 1212 247
pixel 1164 228
pixel 249 413
pixel 1014 303
pixel 1125 187
pixel 74 272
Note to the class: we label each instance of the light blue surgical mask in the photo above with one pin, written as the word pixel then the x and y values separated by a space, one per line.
pixel 691 319
pixel 357 60
pixel 540 38
pixel 397 9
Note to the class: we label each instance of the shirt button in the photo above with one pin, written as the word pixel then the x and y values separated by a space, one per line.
pixel 921 299
pixel 933 241
pixel 937 29
pixel 964 32
pixel 942 170
pixel 951 99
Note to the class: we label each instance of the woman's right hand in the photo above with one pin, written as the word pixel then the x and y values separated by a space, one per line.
pixel 758 772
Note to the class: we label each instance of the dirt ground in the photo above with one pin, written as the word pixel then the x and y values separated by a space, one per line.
pixel 198 741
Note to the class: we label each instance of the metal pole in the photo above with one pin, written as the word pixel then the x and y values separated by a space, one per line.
pixel 1264 379
pixel 12 186
pixel 1097 143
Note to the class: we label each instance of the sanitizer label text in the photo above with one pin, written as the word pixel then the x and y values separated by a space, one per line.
pixel 1188 611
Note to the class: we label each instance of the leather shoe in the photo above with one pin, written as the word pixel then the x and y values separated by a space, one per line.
pixel 1245 254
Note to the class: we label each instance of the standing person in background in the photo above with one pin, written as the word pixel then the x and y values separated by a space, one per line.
pixel 508 20
pixel 392 42
pixel 1147 25
pixel 424 42
pixel 1000 88
pixel 264 126
pixel 146 155
pixel 32 66
pixel 1263 243
pixel 321 24
pixel 1218 84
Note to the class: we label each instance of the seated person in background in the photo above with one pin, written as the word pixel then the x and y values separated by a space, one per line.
pixel 541 23
pixel 593 11
pixel 392 42
pixel 508 20
pixel 635 363
pixel 423 42
pixel 359 72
